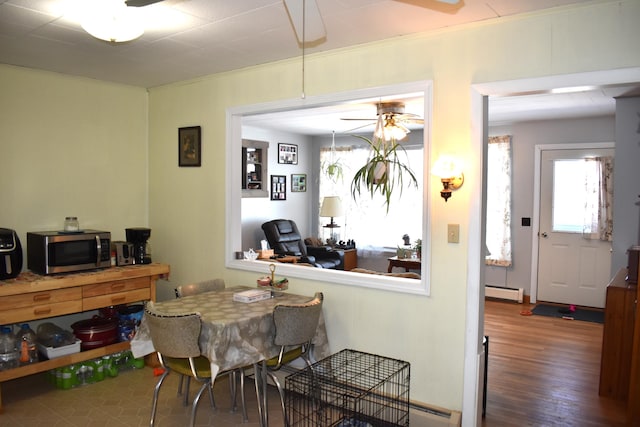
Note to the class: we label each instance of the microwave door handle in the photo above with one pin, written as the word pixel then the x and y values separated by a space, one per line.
pixel 99 251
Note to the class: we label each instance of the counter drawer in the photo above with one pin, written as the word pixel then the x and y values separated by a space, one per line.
pixel 118 286
pixel 116 299
pixel 41 298
pixel 34 312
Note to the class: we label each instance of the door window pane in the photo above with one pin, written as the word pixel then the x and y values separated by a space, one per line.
pixel 570 194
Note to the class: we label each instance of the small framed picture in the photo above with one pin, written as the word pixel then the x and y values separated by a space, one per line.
pixel 189 146
pixel 298 182
pixel 278 187
pixel 288 154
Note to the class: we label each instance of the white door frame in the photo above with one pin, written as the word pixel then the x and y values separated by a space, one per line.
pixel 536 201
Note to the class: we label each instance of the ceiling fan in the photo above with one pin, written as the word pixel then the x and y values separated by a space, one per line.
pixel 141 3
pixel 305 15
pixel 391 122
pixel 307 21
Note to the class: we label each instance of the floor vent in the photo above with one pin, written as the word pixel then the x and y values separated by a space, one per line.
pixel 504 293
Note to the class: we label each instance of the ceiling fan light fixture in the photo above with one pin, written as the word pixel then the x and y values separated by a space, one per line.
pixel 113 22
pixel 387 129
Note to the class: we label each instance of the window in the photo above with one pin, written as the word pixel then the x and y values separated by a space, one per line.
pixel 582 197
pixel 365 214
pixel 235 204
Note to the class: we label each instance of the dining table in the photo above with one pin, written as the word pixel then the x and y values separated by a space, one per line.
pixel 233 334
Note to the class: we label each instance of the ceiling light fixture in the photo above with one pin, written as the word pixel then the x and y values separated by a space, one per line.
pixel 113 21
pixel 388 128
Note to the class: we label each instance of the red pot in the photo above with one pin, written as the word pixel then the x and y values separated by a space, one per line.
pixel 96 332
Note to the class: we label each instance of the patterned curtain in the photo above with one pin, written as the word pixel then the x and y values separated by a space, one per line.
pixel 498 238
pixel 598 223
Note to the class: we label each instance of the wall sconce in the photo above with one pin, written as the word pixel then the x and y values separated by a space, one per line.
pixel 450 174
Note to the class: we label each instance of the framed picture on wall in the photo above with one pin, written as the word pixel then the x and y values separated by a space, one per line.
pixel 189 146
pixel 278 187
pixel 288 154
pixel 298 182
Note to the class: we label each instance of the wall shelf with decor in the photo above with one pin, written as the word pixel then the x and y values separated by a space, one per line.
pixel 255 164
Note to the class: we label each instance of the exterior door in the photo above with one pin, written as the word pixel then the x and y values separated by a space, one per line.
pixel 572 268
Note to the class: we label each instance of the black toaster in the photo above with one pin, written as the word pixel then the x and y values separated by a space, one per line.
pixel 10 254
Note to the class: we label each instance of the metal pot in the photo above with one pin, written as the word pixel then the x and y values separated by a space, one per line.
pixel 96 332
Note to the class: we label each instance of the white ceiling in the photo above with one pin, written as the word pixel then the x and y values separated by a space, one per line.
pixel 186 39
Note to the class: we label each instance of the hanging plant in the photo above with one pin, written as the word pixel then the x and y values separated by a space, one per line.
pixel 333 170
pixel 333 167
pixel 384 171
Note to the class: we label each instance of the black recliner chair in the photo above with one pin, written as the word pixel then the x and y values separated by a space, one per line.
pixel 284 238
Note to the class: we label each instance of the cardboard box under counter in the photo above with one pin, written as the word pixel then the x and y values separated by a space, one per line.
pixel 265 253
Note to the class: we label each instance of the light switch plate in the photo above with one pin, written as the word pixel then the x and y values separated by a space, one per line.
pixel 453 233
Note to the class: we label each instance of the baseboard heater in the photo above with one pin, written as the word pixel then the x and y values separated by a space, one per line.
pixel 422 415
pixel 504 293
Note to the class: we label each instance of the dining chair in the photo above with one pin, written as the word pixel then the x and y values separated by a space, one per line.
pixel 198 288
pixel 175 339
pixel 295 327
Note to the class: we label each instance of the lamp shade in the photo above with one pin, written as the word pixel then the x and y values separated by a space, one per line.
pixel 331 207
pixel 446 167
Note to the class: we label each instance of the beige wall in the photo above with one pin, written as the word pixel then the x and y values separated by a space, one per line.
pixel 71 147
pixel 57 131
pixel 185 208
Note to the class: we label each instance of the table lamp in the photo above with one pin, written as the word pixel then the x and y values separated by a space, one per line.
pixel 332 207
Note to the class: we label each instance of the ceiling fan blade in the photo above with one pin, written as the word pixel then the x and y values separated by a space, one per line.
pixel 443 6
pixel 352 130
pixel 141 3
pixel 306 20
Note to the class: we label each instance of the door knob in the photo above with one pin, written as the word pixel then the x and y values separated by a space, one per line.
pixel 544 234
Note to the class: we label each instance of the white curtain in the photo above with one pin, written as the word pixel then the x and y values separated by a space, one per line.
pixel 598 222
pixel 498 239
pixel 366 220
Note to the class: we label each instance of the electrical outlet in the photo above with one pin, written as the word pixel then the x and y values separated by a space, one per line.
pixel 453 233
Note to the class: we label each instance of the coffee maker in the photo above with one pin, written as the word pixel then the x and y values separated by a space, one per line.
pixel 138 236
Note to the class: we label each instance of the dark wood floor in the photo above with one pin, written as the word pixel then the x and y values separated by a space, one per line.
pixel 544 371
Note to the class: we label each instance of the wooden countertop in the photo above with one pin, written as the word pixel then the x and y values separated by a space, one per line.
pixel 28 282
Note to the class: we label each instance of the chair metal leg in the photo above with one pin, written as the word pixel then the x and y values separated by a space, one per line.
pixel 194 406
pixel 245 417
pixel 233 389
pixel 275 380
pixel 180 385
pixel 185 402
pixel 156 391
pixel 212 400
pixel 262 409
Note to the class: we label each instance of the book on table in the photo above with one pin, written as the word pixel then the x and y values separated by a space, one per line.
pixel 252 295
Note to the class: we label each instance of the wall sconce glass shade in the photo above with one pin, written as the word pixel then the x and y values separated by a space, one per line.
pixel 450 174
pixel 113 21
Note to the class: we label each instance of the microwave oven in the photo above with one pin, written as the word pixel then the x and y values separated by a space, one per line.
pixel 50 252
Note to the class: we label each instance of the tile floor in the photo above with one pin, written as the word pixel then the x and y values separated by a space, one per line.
pixel 123 401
